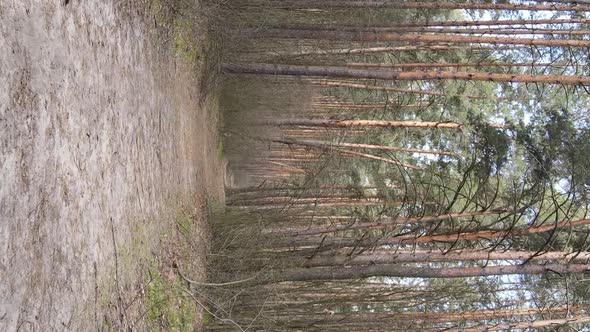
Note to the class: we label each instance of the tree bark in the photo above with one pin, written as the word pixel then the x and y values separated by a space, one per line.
pixel 344 72
pixel 377 88
pixel 453 64
pixel 330 123
pixel 462 31
pixel 527 325
pixel 452 23
pixel 393 256
pixel 393 240
pixel 374 319
pixel 420 38
pixel 384 223
pixel 368 147
pixel 382 49
pixel 401 271
pixel 323 146
pixel 363 4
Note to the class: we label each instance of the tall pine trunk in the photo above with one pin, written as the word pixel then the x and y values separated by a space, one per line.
pixel 344 72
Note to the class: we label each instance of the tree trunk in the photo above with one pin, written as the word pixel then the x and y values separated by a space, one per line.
pixel 420 38
pixel 527 325
pixel 394 240
pixel 463 31
pixel 388 148
pixel 454 65
pixel 450 23
pixel 396 4
pixel 383 223
pixel 393 256
pixel 344 72
pixel 330 123
pixel 324 146
pixel 365 146
pixel 401 271
pixel 382 49
pixel 376 319
pixel 377 88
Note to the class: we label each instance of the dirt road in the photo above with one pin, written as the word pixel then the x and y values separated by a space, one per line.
pixel 103 131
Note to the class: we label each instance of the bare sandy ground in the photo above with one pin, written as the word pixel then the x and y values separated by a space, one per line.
pixel 102 133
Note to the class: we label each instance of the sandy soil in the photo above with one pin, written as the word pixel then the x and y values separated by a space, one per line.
pixel 102 132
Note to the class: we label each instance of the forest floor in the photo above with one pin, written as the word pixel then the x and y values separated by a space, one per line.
pixel 109 162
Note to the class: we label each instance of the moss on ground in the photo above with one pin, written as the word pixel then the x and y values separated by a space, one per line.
pixel 177 26
pixel 168 306
pixel 150 288
pixel 185 41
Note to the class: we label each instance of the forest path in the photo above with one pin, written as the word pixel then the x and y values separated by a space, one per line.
pixel 104 134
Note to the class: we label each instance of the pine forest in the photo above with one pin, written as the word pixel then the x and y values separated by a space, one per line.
pixel 404 166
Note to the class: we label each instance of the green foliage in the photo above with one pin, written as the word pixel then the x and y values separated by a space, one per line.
pixel 580 159
pixel 490 144
pixel 550 144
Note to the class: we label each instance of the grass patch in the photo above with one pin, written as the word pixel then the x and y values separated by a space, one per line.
pixel 176 23
pixel 184 40
pixel 220 152
pixel 207 319
pixel 155 298
pixel 150 290
pixel 167 304
pixel 184 222
pixel 168 308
